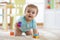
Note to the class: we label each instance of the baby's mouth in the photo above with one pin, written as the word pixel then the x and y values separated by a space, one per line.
pixel 29 16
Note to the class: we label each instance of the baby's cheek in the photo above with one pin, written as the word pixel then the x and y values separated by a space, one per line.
pixel 32 17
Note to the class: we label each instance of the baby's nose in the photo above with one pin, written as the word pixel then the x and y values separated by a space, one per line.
pixel 30 13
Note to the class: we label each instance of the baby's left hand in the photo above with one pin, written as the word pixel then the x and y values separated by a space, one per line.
pixel 36 36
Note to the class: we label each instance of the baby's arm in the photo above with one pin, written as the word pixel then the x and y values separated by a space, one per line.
pixel 17 31
pixel 35 31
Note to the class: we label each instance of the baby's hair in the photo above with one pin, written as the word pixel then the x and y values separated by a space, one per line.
pixel 32 6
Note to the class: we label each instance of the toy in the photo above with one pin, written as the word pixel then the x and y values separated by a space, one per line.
pixel 19 24
pixel 11 33
pixel 36 36
pixel 48 7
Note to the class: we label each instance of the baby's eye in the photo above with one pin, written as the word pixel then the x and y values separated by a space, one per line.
pixel 33 12
pixel 28 11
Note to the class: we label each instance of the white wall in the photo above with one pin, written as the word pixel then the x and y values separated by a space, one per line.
pixel 52 19
pixel 49 18
pixel 57 18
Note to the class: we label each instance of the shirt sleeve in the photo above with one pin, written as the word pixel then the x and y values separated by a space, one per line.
pixel 34 24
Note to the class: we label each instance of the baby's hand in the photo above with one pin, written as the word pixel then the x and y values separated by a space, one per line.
pixel 19 24
pixel 36 36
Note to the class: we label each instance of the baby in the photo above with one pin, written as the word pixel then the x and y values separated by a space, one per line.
pixel 27 22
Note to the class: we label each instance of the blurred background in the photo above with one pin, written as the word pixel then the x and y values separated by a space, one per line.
pixel 48 18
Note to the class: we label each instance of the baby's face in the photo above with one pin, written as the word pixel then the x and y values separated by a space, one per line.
pixel 30 13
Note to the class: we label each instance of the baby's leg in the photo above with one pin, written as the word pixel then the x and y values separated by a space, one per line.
pixel 29 32
pixel 18 32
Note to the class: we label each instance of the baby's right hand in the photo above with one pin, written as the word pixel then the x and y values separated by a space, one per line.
pixel 19 24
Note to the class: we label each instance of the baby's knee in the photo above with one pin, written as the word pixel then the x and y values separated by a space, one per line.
pixel 18 32
pixel 28 33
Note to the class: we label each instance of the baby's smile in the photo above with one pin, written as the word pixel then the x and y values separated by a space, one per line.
pixel 29 16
